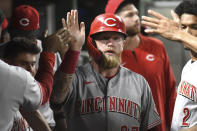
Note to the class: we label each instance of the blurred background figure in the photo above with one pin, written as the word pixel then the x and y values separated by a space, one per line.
pixel 5 36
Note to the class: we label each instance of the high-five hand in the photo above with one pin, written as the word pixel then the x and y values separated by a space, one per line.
pixel 77 33
pixel 55 42
pixel 162 25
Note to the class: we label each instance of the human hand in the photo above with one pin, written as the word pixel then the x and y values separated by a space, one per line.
pixel 57 41
pixel 162 25
pixel 77 33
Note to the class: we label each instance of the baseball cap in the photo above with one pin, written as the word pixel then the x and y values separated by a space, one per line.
pixel 24 21
pixel 112 6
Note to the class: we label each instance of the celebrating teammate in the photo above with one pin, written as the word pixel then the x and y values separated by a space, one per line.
pixel 18 88
pixel 182 28
pixel 148 57
pixel 103 95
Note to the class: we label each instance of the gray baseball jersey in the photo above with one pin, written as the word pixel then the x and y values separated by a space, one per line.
pixel 185 110
pixel 123 103
pixel 18 89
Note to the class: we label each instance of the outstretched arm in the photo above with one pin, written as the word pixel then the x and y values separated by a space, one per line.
pixel 64 74
pixel 44 76
pixel 170 29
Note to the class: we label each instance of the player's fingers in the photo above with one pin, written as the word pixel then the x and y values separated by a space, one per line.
pixel 60 31
pixel 72 18
pixel 175 16
pixel 64 23
pixel 45 33
pixel 68 20
pixel 150 24
pixel 76 19
pixel 156 14
pixel 149 19
pixel 66 39
pixel 149 30
pixel 64 33
pixel 82 28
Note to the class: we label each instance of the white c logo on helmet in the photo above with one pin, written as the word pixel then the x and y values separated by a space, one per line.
pixel 150 57
pixel 24 22
pixel 106 22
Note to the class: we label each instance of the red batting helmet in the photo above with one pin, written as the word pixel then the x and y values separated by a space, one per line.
pixel 107 22
pixel 104 23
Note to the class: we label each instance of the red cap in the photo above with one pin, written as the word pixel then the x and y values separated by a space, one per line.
pixel 25 17
pixel 112 6
pixel 107 22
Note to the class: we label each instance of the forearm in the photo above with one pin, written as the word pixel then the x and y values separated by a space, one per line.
pixel 36 121
pixel 45 74
pixel 63 79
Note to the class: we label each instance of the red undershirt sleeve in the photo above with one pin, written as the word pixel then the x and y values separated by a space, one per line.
pixel 45 74
pixel 69 63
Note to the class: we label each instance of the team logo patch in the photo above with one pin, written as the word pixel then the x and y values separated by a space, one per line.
pixel 110 22
pixel 150 57
pixel 24 21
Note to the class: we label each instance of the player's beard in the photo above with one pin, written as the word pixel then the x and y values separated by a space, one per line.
pixel 109 62
pixel 132 31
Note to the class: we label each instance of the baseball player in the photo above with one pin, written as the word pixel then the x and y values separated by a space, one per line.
pixel 23 53
pixel 27 93
pixel 182 28
pixel 24 22
pixel 148 57
pixel 103 95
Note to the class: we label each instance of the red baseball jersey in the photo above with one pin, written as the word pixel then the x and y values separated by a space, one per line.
pixel 151 61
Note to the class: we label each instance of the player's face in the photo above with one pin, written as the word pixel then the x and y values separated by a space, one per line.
pixel 189 24
pixel 27 61
pixel 111 45
pixel 129 14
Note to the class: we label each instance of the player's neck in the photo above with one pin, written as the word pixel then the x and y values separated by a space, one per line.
pixel 132 42
pixel 105 72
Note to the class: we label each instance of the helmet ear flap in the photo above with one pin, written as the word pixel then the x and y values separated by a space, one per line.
pixel 92 49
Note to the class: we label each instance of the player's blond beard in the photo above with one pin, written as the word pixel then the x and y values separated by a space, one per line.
pixel 109 62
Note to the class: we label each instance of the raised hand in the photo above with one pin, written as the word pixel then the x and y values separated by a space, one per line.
pixel 162 25
pixel 57 41
pixel 77 32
